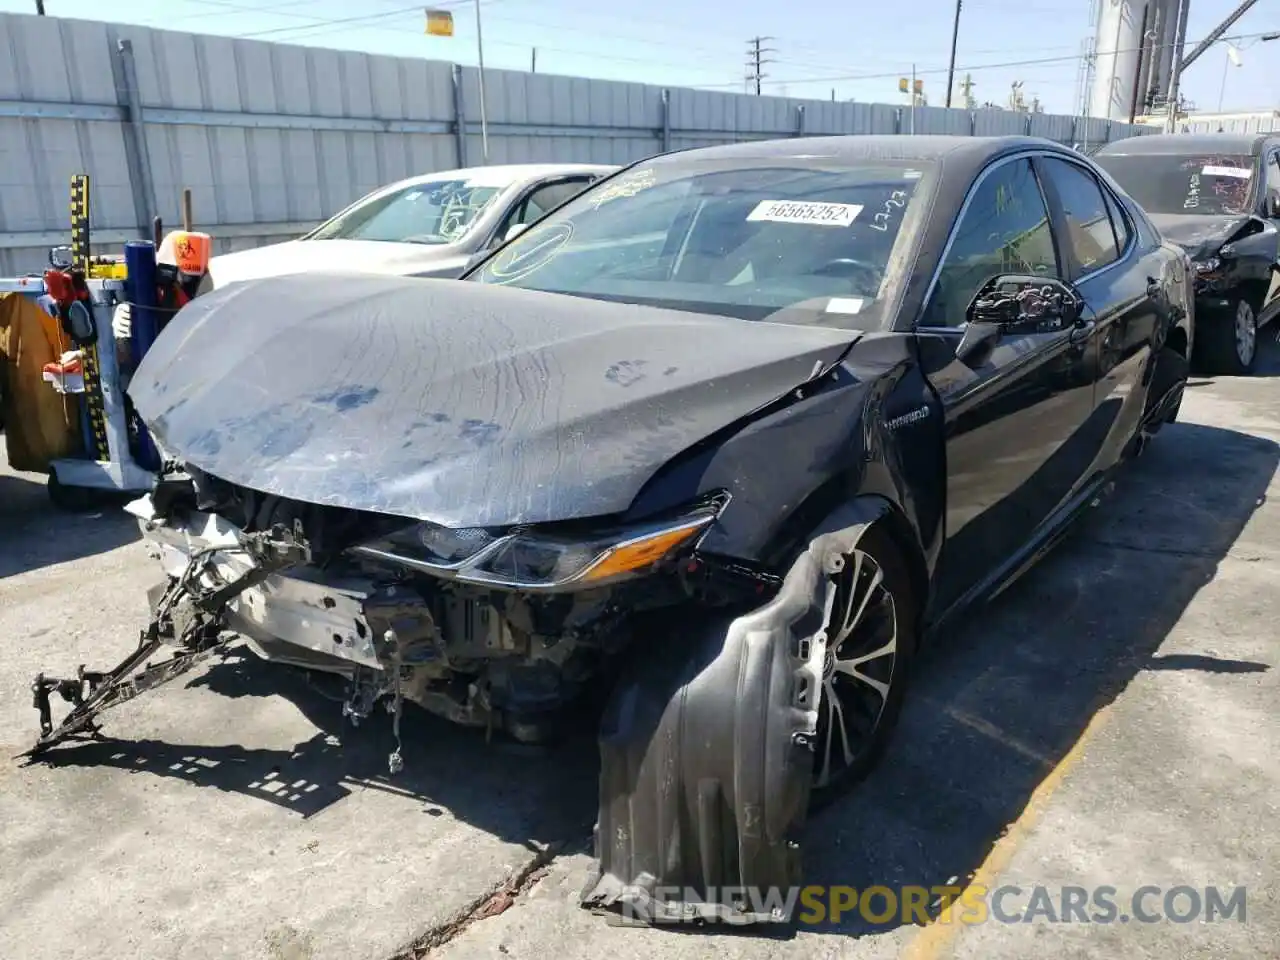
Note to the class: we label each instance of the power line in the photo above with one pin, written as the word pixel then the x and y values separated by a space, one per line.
pixel 328 22
pixel 977 66
pixel 279 10
pixel 320 25
pixel 323 27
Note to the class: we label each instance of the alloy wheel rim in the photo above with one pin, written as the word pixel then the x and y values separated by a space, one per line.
pixel 1246 332
pixel 859 667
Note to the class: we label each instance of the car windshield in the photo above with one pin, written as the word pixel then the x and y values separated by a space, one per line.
pixel 437 211
pixel 1205 184
pixel 790 240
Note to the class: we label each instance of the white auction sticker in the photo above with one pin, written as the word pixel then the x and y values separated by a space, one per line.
pixel 844 305
pixel 806 211
pixel 1240 173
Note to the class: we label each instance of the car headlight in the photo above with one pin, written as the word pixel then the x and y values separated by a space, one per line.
pixel 533 560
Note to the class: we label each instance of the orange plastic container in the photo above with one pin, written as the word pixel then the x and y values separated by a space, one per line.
pixel 188 250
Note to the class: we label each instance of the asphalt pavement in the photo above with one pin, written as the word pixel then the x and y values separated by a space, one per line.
pixel 1109 721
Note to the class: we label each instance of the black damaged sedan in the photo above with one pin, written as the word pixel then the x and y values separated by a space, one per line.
pixel 1216 195
pixel 716 445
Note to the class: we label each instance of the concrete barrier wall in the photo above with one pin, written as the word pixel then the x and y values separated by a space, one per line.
pixel 272 138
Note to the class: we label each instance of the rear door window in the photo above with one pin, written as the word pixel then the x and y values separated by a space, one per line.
pixel 1119 221
pixel 1088 222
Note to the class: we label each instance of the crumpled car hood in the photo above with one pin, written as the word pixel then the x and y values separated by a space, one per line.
pixel 1200 236
pixel 454 402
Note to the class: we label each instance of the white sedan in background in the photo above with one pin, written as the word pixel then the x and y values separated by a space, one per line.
pixel 426 226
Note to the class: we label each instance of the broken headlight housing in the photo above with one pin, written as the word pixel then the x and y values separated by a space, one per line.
pixel 540 559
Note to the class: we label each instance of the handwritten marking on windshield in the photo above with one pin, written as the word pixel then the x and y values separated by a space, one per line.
pixel 896 201
pixel 1193 193
pixel 808 212
pixel 532 249
pixel 627 186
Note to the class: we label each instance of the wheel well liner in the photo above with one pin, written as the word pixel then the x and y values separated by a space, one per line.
pixel 707 750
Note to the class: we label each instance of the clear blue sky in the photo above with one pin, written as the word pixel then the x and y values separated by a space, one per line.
pixel 856 48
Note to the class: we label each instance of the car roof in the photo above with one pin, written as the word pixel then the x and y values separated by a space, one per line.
pixel 870 147
pixel 1181 144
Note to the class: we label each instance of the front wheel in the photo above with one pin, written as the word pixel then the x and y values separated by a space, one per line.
pixel 871 640
pixel 1229 344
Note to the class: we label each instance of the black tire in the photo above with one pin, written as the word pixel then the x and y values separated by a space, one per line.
pixel 897 582
pixel 1220 349
pixel 1171 368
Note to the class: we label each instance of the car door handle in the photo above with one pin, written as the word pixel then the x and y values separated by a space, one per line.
pixel 1081 331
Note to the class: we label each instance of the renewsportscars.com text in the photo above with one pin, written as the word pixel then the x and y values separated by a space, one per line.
pixel 975 904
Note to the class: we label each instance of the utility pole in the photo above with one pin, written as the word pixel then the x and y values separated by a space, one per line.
pixel 756 60
pixel 955 36
pixel 914 97
pixel 967 86
pixel 1171 123
pixel 1016 101
pixel 484 120
pixel 533 60
pixel 39 8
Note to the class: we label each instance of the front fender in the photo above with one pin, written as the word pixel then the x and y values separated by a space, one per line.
pixel 707 758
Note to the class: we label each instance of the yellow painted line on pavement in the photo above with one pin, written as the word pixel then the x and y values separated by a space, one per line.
pixel 988 729
pixel 937 940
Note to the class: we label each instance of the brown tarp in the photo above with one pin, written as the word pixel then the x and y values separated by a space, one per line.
pixel 40 424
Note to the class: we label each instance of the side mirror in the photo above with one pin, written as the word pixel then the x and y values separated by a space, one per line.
pixel 1013 304
pixel 1025 304
pixel 514 231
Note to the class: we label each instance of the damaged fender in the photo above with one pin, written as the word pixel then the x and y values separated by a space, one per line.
pixel 707 761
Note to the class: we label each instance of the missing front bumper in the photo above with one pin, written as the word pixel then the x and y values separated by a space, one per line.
pixel 324 620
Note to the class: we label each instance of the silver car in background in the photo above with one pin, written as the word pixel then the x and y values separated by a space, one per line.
pixel 426 226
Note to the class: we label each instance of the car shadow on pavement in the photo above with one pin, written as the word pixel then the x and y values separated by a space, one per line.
pixel 1267 363
pixel 528 795
pixel 1001 698
pixel 35 534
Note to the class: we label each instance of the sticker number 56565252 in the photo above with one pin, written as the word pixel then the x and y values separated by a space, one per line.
pixel 806 212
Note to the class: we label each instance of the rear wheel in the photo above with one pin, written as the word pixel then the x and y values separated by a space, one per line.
pixel 1229 343
pixel 871 640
